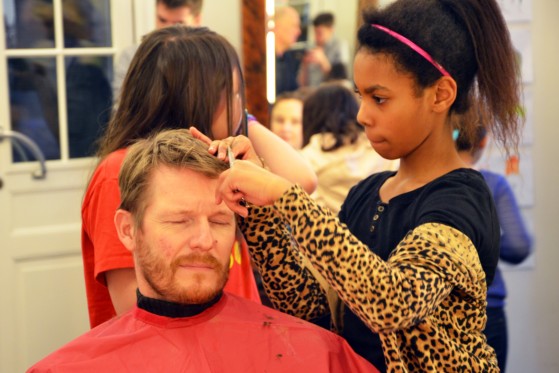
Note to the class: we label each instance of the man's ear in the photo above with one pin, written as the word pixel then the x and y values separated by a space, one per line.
pixel 124 224
pixel 445 94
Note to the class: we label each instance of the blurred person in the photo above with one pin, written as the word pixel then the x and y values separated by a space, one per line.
pixel 286 118
pixel 168 13
pixel 287 30
pixel 88 89
pixel 33 107
pixel 515 244
pixel 328 51
pixel 338 74
pixel 183 321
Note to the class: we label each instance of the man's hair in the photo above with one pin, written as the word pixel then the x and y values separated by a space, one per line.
pixel 173 148
pixel 282 11
pixel 324 19
pixel 195 6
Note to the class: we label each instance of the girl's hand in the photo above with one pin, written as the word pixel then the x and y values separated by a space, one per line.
pixel 195 132
pixel 250 183
pixel 240 145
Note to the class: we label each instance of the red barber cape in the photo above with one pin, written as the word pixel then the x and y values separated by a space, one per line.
pixel 234 335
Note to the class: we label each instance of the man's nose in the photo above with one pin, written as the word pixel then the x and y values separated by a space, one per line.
pixel 202 238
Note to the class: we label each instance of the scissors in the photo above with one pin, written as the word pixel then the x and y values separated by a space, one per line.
pixel 231 157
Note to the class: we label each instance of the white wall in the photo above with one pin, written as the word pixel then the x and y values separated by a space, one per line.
pixel 224 17
pixel 533 303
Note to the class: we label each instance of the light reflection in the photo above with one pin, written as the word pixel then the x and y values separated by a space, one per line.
pixel 270 52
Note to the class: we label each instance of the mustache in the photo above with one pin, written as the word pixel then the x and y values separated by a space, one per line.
pixel 196 259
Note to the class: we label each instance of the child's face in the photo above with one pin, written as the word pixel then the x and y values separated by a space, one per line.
pixel 286 121
pixel 397 122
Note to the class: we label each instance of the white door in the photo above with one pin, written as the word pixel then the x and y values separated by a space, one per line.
pixel 56 63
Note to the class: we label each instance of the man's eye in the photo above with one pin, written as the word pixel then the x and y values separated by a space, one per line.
pixel 220 222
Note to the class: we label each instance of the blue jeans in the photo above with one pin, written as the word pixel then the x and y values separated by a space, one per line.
pixel 496 333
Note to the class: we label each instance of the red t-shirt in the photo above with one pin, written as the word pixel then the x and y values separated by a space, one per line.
pixel 234 335
pixel 102 250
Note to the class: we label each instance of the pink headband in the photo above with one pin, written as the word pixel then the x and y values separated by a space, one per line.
pixel 413 46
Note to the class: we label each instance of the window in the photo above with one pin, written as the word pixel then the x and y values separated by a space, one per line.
pixel 59 61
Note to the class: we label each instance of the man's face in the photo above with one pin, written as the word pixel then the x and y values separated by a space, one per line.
pixel 183 247
pixel 288 28
pixel 169 17
pixel 322 34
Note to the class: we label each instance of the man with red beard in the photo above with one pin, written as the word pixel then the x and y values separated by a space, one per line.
pixel 181 241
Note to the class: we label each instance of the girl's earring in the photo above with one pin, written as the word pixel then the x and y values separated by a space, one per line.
pixel 455 134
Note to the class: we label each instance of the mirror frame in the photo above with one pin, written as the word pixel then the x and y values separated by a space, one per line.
pixel 254 53
pixel 254 57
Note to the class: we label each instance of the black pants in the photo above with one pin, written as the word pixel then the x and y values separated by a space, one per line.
pixel 496 333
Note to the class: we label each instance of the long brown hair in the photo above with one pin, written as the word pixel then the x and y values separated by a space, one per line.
pixel 176 80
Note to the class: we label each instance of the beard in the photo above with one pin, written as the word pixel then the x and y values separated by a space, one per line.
pixel 194 288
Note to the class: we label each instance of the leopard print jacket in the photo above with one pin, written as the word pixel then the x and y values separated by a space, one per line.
pixel 427 301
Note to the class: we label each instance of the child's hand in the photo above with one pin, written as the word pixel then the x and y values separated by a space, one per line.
pixel 195 132
pixel 241 146
pixel 247 182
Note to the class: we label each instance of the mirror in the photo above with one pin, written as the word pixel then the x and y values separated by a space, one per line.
pixel 305 54
pixel 258 25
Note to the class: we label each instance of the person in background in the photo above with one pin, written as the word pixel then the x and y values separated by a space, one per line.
pixel 167 13
pixel 336 145
pixel 183 321
pixel 286 30
pixel 88 96
pixel 410 268
pixel 286 117
pixel 338 74
pixel 33 108
pixel 178 78
pixel 515 245
pixel 328 51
